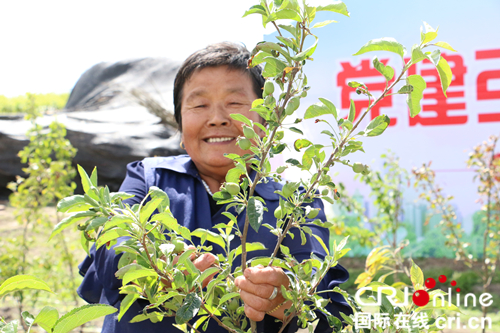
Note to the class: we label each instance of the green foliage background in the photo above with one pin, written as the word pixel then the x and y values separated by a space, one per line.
pixel 44 102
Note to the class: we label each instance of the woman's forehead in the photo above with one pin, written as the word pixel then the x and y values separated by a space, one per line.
pixel 230 81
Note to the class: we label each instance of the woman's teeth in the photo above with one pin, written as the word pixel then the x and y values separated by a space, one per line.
pixel 210 140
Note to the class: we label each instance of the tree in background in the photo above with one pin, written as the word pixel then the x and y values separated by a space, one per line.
pixel 50 175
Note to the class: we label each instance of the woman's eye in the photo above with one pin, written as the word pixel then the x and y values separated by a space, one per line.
pixel 200 106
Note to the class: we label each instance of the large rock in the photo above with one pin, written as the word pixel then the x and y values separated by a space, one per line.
pixel 106 120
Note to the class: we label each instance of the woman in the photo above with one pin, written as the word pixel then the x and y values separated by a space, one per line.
pixel 210 85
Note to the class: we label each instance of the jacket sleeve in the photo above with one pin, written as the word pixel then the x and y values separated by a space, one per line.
pixel 100 284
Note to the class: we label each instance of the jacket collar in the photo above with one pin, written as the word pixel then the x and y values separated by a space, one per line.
pixel 184 165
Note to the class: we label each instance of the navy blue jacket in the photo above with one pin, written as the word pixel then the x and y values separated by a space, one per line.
pixel 189 203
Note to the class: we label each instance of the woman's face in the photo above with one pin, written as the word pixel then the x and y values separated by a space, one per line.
pixel 208 98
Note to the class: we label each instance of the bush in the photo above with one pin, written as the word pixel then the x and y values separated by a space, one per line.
pixel 42 102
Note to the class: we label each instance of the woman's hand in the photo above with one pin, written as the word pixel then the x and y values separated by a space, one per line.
pixel 203 262
pixel 256 286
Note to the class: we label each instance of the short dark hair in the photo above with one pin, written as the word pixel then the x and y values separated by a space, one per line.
pixel 233 55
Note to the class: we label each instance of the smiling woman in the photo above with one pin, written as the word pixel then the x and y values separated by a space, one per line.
pixel 209 97
pixel 212 84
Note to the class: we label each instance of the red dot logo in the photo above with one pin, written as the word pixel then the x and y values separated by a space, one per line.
pixel 442 278
pixel 458 290
pixel 453 283
pixel 430 283
pixel 420 297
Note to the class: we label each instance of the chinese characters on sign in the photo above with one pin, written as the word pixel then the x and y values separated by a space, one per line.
pixel 436 108
pixel 382 320
pixel 483 93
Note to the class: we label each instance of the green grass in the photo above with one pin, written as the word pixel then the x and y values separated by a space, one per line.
pixel 21 103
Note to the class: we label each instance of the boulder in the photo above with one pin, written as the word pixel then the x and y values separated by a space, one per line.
pixel 116 113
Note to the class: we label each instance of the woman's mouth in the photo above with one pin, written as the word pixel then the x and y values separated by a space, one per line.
pixel 215 140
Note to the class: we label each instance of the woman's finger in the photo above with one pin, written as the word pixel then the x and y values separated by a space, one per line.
pixel 253 314
pixel 260 290
pixel 192 256
pixel 267 275
pixel 257 303
pixel 204 262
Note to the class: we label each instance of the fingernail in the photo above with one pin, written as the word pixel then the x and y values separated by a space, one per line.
pixel 247 273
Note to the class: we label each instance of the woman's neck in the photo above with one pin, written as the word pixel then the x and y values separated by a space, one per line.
pixel 213 183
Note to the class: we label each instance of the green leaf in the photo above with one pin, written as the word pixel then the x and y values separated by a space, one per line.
pixel 211 236
pixel 115 221
pixel 417 54
pixel 257 9
pixel 241 118
pixel 322 24
pixel 383 44
pixel 135 274
pixel 352 112
pixel 288 42
pixel 417 277
pixel 301 143
pixel 121 195
pixel 331 107
pixel 320 240
pixel 207 272
pixel 292 161
pixel 310 13
pixel 269 47
pixel 93 177
pixel 413 98
pixel 86 183
pixel 82 315
pixel 10 327
pixel 273 67
pixel 445 45
pixel 155 193
pixel 255 213
pixel 109 236
pixel 296 130
pixel 307 53
pixel 47 318
pixel 254 246
pixel 336 6
pixel 148 209
pixel 429 35
pixel 167 219
pixel 28 318
pixel 319 109
pixel 229 296
pixel 189 308
pixel 445 74
pixel 96 223
pixel 377 126
pixel 434 57
pixel 386 71
pixel 286 14
pixel 69 221
pixel 290 28
pixel 406 89
pixel 126 303
pixel 355 84
pixel 74 203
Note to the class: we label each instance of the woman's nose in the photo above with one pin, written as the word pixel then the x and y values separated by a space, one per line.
pixel 219 117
